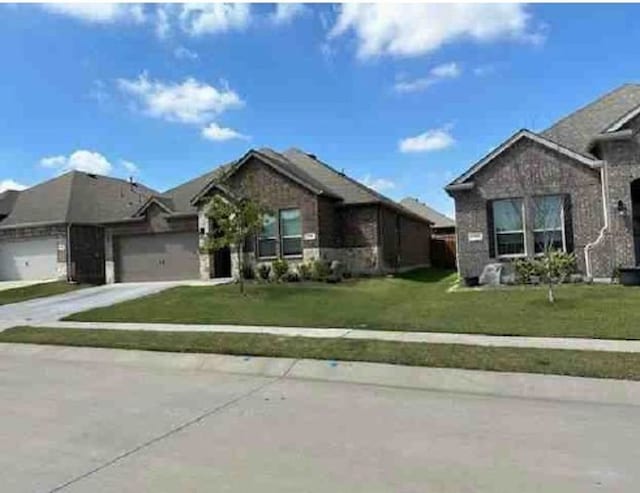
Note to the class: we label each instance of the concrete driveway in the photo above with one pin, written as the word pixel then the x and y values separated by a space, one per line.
pixel 55 307
pixel 92 426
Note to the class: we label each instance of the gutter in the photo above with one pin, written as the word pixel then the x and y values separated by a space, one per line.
pixel 604 179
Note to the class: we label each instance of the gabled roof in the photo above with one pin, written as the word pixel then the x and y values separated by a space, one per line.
pixel 303 168
pixel 521 134
pixel 577 130
pixel 77 197
pixel 438 219
pixel 182 195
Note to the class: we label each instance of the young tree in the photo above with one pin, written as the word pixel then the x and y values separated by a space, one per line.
pixel 552 263
pixel 234 221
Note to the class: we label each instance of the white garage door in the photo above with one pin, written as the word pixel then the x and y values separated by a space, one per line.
pixel 28 259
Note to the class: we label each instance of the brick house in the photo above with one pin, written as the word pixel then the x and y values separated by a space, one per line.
pixel 583 171
pixel 54 230
pixel 317 213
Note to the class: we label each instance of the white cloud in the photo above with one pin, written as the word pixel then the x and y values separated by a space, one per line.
pixel 431 140
pixel 286 12
pixel 182 53
pixel 130 167
pixel 11 185
pixel 188 102
pixel 162 23
pixel 99 13
pixel 436 74
pixel 378 184
pixel 415 29
pixel 80 160
pixel 483 70
pixel 209 18
pixel 219 134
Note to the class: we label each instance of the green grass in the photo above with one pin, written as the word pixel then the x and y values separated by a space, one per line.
pixel 418 301
pixel 36 291
pixel 550 361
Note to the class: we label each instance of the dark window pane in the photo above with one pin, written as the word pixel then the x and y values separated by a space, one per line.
pixel 292 246
pixel 547 212
pixel 510 243
pixel 267 247
pixel 547 240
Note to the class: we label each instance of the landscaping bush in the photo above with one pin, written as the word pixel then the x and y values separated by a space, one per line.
pixel 304 270
pixel 291 277
pixel 320 270
pixel 280 267
pixel 248 272
pixel 526 269
pixel 264 271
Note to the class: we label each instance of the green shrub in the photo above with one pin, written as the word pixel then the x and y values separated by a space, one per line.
pixel 248 272
pixel 526 269
pixel 280 267
pixel 320 270
pixel 291 277
pixel 264 270
pixel 304 270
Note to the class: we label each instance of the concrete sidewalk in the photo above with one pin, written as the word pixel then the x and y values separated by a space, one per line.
pixel 379 335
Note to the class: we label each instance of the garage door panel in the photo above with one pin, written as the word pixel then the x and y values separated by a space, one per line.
pixel 32 259
pixel 157 257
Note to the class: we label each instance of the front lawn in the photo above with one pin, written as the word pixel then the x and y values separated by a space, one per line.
pixel 595 364
pixel 25 293
pixel 418 301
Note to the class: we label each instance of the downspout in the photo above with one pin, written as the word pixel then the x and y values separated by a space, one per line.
pixel 604 179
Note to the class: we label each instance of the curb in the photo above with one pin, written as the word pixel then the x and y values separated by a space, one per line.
pixel 515 385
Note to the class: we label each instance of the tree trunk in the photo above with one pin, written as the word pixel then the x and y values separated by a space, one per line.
pixel 552 297
pixel 240 267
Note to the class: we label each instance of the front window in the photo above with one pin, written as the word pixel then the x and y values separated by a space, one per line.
pixel 548 219
pixel 268 237
pixel 508 220
pixel 291 232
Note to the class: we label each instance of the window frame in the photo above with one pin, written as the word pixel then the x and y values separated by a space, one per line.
pixel 539 230
pixel 522 231
pixel 259 237
pixel 282 237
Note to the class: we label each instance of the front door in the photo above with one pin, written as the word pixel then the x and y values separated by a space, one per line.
pixel 222 262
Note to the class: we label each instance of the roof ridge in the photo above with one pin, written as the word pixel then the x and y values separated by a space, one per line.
pixel 588 105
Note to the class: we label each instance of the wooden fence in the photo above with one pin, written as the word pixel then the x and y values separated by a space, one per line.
pixel 443 252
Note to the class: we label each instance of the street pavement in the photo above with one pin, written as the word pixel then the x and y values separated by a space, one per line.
pixel 74 425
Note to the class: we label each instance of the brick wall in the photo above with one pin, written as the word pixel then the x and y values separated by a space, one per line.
pixel 526 169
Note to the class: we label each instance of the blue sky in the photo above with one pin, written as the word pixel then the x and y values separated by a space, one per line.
pixel 404 98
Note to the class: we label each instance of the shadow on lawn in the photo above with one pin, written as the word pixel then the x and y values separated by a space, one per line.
pixel 425 275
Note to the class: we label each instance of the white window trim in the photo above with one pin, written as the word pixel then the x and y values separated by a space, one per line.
pixel 561 228
pixel 522 231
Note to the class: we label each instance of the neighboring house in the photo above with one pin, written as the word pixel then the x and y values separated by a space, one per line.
pixel 441 225
pixel 583 173
pixel 317 213
pixel 443 233
pixel 54 230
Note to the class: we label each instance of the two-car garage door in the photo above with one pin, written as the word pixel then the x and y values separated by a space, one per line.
pixel 156 257
pixel 31 259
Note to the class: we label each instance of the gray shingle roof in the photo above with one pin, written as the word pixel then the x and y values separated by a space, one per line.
pixel 576 130
pixel 439 220
pixel 77 197
pixel 302 167
pixel 180 196
pixel 7 201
